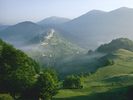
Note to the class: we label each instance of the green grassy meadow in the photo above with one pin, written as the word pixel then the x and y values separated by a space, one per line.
pixel 107 83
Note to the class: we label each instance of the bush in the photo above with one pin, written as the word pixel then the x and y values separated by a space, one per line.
pixel 72 82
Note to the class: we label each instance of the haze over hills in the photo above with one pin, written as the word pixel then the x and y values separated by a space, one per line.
pixel 31 37
pixel 110 54
pixel 52 48
pixel 115 72
pixel 21 33
pixel 110 71
pixel 93 27
pixel 89 30
pixel 29 33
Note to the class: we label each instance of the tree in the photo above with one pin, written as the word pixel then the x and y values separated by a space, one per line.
pixel 90 52
pixel 17 70
pixel 46 85
pixel 44 88
pixel 72 82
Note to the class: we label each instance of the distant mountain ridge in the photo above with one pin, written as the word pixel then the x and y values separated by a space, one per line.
pixel 53 21
pixel 20 33
pixel 97 27
pixel 88 31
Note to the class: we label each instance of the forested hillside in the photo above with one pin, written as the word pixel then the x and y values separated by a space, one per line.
pixel 22 78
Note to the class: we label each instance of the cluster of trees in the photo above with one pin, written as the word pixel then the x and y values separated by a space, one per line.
pixel 44 88
pixel 72 82
pixel 21 77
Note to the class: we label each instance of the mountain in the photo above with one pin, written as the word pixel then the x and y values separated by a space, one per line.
pixel 52 48
pixel 120 43
pixel 53 21
pixel 89 30
pixel 97 27
pixel 45 45
pixel 20 33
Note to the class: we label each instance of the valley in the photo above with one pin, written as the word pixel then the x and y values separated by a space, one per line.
pixel 92 53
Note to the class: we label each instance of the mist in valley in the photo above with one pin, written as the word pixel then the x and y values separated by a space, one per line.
pixel 66 49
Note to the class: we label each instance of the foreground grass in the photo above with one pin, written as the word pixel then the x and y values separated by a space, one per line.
pixel 95 92
pixel 116 94
pixel 91 91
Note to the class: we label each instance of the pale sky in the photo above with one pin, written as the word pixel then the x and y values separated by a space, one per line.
pixel 14 11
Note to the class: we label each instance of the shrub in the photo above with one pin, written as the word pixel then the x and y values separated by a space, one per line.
pixel 72 82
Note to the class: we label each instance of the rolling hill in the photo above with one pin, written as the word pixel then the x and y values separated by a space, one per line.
pixel 114 78
pixel 112 82
pixel 104 55
pixel 122 65
pixel 120 43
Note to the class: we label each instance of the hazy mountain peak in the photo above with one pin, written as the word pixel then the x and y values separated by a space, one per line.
pixel 56 17
pixel 85 17
pixel 53 20
pixel 122 9
pixel 96 12
pixel 92 13
pixel 25 23
pixel 20 33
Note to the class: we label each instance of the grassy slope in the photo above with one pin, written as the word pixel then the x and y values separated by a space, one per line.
pixel 115 94
pixel 123 65
pixel 105 79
